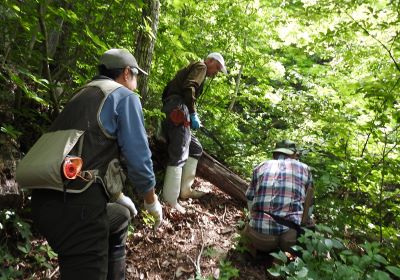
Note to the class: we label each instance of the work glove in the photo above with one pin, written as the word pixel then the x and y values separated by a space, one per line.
pixel 195 122
pixel 155 210
pixel 127 202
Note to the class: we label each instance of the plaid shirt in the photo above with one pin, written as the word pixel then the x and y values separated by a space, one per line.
pixel 279 187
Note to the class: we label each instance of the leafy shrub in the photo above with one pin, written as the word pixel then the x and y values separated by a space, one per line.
pixel 324 257
pixel 16 247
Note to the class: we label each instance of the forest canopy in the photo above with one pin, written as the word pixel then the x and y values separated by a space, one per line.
pixel 323 73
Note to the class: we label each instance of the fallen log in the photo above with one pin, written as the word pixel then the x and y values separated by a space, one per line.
pixel 222 177
pixel 208 169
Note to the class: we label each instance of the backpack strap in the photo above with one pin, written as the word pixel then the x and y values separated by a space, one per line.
pixel 286 222
pixel 107 86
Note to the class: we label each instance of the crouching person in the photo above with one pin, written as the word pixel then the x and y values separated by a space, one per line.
pixel 279 197
pixel 76 178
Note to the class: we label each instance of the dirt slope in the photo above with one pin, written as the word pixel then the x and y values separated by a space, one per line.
pixel 197 240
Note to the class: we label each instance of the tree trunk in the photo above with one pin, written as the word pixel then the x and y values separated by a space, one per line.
pixel 220 176
pixel 145 43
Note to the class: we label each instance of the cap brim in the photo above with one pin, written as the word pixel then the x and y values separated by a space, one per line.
pixel 223 70
pixel 284 151
pixel 141 71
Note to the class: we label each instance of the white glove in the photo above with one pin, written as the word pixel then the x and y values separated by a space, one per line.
pixel 155 210
pixel 127 202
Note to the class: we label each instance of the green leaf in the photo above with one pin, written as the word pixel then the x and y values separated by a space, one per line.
pixel 347 253
pixel 10 131
pixel 380 259
pixel 95 39
pixel 337 244
pixel 302 273
pixel 393 269
pixel 274 271
pixel 380 275
pixel 328 243
pixel 24 248
pixel 280 256
pixel 16 8
pixel 324 228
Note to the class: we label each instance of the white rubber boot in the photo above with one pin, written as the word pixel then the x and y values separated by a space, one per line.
pixel 188 175
pixel 172 183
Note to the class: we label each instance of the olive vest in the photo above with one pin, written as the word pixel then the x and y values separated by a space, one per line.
pixel 77 131
pixel 83 113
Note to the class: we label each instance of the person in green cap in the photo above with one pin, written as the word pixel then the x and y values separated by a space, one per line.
pixel 278 198
pixel 85 217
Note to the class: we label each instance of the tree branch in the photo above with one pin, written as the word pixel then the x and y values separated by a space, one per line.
pixel 46 66
pixel 376 39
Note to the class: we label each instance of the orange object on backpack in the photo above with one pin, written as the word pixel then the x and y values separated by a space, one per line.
pixel 72 167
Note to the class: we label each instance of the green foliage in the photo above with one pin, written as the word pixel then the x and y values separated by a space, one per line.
pixel 10 131
pixel 210 252
pixel 148 219
pixel 326 257
pixel 17 246
pixel 227 270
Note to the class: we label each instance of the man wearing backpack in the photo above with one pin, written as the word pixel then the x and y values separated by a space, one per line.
pixel 105 118
pixel 279 200
pixel 184 149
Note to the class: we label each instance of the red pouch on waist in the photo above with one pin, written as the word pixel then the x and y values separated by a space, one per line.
pixel 177 117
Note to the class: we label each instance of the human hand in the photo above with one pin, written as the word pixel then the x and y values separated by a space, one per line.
pixel 195 122
pixel 127 202
pixel 155 210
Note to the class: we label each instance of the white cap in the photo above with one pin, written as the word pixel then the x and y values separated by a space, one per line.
pixel 218 57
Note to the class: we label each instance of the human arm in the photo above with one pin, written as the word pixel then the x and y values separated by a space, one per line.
pixel 132 139
pixel 192 83
pixel 122 117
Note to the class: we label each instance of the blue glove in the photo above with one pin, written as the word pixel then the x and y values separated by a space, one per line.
pixel 195 122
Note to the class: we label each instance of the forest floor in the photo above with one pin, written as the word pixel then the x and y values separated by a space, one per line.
pixel 191 245
pixel 195 242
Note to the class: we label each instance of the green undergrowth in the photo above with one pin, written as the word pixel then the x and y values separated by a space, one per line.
pixel 324 256
pixel 21 253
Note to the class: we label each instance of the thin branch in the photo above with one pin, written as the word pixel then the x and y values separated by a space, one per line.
pixel 381 189
pixel 53 97
pixel 54 272
pixel 376 39
pixel 198 259
pixel 201 249
pixel 238 78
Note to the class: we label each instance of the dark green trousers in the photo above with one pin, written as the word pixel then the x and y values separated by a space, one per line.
pixel 82 229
